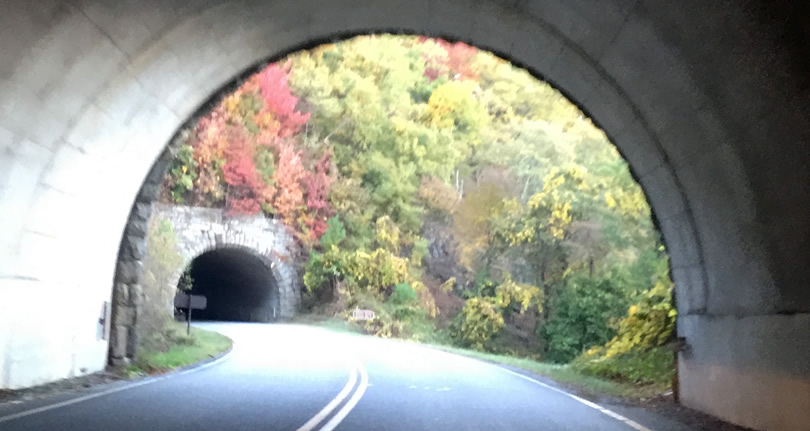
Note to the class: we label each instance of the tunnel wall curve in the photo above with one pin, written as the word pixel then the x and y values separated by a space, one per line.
pixel 707 101
pixel 200 230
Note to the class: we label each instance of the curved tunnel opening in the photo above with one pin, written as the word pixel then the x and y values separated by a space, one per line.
pixel 238 285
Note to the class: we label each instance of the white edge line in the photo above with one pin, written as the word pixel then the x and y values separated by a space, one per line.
pixel 358 394
pixel 629 422
pixel 144 382
pixel 321 415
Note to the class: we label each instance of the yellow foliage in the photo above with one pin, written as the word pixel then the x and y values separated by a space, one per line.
pixel 560 219
pixel 611 203
pixel 447 286
pixel 480 320
pixel 649 323
pixel 524 294
pixel 388 236
pixel 377 270
pixel 427 301
pixel 448 101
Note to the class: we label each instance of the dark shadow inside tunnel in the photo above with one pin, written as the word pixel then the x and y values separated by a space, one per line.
pixel 238 285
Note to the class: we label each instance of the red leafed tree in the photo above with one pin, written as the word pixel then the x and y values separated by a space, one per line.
pixel 459 57
pixel 245 188
pixel 457 62
pixel 279 100
pixel 318 183
pixel 288 177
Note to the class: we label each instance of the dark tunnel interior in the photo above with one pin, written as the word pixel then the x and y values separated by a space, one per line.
pixel 237 284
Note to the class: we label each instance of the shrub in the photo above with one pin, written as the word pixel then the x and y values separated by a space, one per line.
pixel 182 173
pixel 334 235
pixel 637 353
pixel 582 315
pixel 160 265
pixel 649 366
pixel 376 270
pixel 478 321
pixel 403 294
pixel 324 269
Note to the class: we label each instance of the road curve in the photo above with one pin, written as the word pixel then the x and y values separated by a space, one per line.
pixel 297 378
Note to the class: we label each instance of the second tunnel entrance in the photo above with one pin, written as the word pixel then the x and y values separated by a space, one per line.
pixel 238 284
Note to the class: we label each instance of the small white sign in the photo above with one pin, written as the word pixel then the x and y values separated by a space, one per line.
pixel 363 314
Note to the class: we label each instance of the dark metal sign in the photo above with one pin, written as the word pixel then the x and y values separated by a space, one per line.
pixel 195 302
pixel 190 302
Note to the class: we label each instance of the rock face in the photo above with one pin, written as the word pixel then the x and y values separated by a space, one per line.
pixel 200 230
pixel 442 261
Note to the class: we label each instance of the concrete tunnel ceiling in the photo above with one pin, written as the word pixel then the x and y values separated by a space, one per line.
pixel 238 286
pixel 708 102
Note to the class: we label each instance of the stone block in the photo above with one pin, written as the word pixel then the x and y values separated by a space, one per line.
pixel 132 342
pixel 142 211
pixel 118 343
pixel 135 294
pixel 137 228
pixel 123 315
pixel 134 248
pixel 120 362
pixel 129 271
pixel 121 294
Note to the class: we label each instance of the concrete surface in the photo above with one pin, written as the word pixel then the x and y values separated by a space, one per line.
pixel 281 376
pixel 708 101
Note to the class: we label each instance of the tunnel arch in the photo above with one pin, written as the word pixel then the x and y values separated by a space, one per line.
pixel 239 283
pixel 202 231
pixel 732 213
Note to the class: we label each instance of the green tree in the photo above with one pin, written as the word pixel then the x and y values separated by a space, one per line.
pixel 582 316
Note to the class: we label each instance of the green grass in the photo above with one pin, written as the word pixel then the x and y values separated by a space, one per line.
pixel 653 366
pixel 334 324
pixel 567 376
pixel 182 350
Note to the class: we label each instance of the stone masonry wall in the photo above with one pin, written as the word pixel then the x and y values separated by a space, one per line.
pixel 200 230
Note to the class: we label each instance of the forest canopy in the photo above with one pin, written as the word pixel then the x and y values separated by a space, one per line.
pixel 441 186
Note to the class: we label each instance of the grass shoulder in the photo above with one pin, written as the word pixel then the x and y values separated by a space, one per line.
pixel 566 375
pixel 175 349
pixel 334 324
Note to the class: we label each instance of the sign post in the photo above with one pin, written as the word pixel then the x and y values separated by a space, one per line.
pixel 190 302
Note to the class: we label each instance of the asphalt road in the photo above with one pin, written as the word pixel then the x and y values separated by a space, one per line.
pixel 288 377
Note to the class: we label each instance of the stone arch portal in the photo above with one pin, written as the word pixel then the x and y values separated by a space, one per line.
pixel 200 232
pixel 205 231
pixel 718 145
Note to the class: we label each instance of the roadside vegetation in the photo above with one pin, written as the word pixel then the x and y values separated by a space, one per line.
pixel 180 350
pixel 463 201
pixel 163 343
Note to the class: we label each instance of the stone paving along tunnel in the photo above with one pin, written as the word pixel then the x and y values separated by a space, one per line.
pixel 237 284
pixel 708 102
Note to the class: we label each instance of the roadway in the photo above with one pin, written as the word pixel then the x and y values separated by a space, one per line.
pixel 297 378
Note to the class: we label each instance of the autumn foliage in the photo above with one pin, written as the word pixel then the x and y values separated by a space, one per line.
pixel 246 160
pixel 279 100
pixel 398 160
